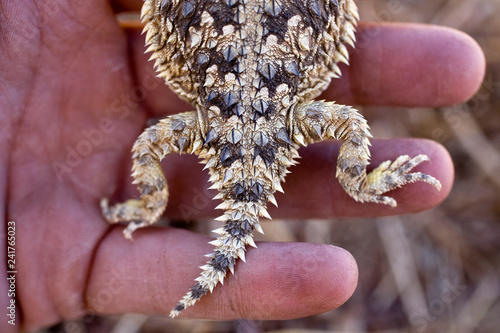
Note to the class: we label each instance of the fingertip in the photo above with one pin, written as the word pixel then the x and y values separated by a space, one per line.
pixel 440 167
pixel 342 278
pixel 290 280
pixel 463 65
pixel 410 65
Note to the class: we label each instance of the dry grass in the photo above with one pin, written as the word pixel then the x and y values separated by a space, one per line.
pixel 435 271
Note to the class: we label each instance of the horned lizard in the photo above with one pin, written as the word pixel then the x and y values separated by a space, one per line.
pixel 251 69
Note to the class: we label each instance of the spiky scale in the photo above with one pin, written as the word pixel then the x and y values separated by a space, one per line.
pixel 211 136
pixel 277 187
pixel 229 53
pixel 272 199
pixel 273 7
pixel 251 242
pixel 268 70
pixel 258 228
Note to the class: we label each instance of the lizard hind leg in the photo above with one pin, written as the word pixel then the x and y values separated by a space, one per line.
pixel 319 120
pixel 154 196
pixel 175 134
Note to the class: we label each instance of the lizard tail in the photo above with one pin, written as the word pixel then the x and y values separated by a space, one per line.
pixel 234 236
pixel 245 185
pixel 245 188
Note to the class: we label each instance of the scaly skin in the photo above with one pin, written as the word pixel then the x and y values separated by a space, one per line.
pixel 251 69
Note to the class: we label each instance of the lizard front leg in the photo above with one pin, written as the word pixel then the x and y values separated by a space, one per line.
pixel 175 134
pixel 319 120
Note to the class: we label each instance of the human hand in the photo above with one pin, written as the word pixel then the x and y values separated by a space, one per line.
pixel 74 99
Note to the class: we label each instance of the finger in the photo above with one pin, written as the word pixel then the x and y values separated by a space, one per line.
pixel 393 64
pixel 277 281
pixel 311 189
pixel 410 65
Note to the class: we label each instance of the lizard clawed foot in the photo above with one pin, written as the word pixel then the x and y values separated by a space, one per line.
pixel 391 175
pixel 132 212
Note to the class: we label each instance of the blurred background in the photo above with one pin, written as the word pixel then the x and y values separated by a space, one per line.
pixel 436 271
